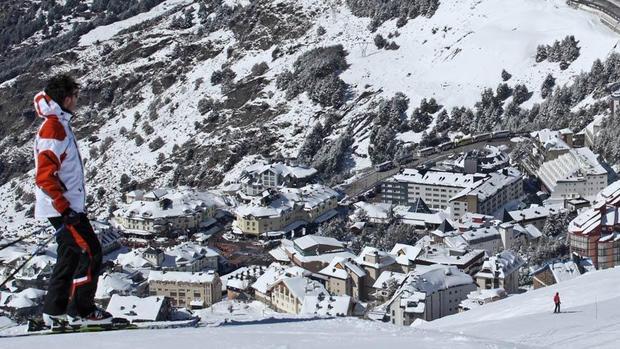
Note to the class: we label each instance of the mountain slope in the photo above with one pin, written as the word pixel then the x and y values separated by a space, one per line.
pixel 589 318
pixel 336 334
pixel 186 94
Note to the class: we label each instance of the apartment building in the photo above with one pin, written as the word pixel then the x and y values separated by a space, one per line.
pixel 148 216
pixel 287 209
pixel 429 294
pixel 186 289
pixel 501 271
pixel 576 173
pixel 457 192
pixel 595 232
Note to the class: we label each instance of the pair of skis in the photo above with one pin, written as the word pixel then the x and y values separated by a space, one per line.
pixel 37 327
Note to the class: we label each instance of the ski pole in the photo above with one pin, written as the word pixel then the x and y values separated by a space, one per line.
pixel 20 239
pixel 39 249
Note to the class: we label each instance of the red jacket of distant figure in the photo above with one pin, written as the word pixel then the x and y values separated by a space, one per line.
pixel 556 299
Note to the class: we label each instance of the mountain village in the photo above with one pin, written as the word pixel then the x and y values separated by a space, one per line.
pixel 344 164
pixel 276 239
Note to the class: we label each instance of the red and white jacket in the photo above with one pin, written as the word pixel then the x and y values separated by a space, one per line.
pixel 59 172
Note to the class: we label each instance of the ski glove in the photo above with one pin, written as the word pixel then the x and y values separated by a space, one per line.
pixel 70 217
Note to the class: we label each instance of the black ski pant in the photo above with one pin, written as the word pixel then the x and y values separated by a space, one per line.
pixel 557 308
pixel 73 283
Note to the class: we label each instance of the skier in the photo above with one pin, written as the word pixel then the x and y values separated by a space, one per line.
pixel 61 197
pixel 556 300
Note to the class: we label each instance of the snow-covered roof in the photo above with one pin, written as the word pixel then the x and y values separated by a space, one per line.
pixel 12 253
pixel 481 297
pixel 340 267
pixel 32 293
pixel 405 254
pixel 573 166
pixel 440 254
pixel 471 219
pixel 326 305
pixel 281 169
pixel 301 286
pixel 242 278
pixel 560 270
pixel 604 213
pixel 184 202
pixel 550 139
pixel 273 274
pixel 480 235
pixel 111 283
pixel 374 210
pixel 387 275
pixel 501 265
pixel 536 212
pixel 188 252
pixel 492 184
pixel 438 178
pixel 419 285
pixel 289 199
pixel 19 301
pixel 135 308
pixel 488 158
pixel 419 218
pixel 279 254
pixel 564 271
pixel 174 257
pixel 182 276
pixel 367 253
pixel 310 241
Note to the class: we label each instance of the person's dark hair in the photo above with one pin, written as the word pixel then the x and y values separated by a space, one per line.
pixel 61 86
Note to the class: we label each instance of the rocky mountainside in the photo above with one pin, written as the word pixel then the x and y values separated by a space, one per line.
pixel 188 92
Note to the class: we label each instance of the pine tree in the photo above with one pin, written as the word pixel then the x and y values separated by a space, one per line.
pixel 506 75
pixel 547 86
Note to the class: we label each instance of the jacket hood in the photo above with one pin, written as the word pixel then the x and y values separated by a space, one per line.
pixel 46 107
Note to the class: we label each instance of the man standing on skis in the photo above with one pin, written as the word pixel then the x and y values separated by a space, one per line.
pixel 61 198
pixel 556 300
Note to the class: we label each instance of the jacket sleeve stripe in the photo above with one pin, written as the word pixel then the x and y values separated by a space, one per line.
pixel 47 179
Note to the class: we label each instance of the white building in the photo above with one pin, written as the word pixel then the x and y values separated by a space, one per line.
pixel 275 272
pixel 132 308
pixel 109 238
pixel 456 192
pixel 592 130
pixel 121 284
pixel 429 294
pixel 149 215
pixel 260 176
pixel 491 239
pixel 481 297
pixel 535 215
pixel 576 173
pixel 288 295
pixel 501 271
pixel 286 210
pixel 327 305
pixel 186 289
pixel 184 257
pixel 551 143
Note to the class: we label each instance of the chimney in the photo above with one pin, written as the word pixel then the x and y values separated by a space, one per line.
pixel 507 235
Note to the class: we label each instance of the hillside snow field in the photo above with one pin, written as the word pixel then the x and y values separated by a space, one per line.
pixel 324 334
pixel 590 315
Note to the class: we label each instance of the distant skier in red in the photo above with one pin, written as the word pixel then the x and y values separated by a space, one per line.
pixel 556 300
